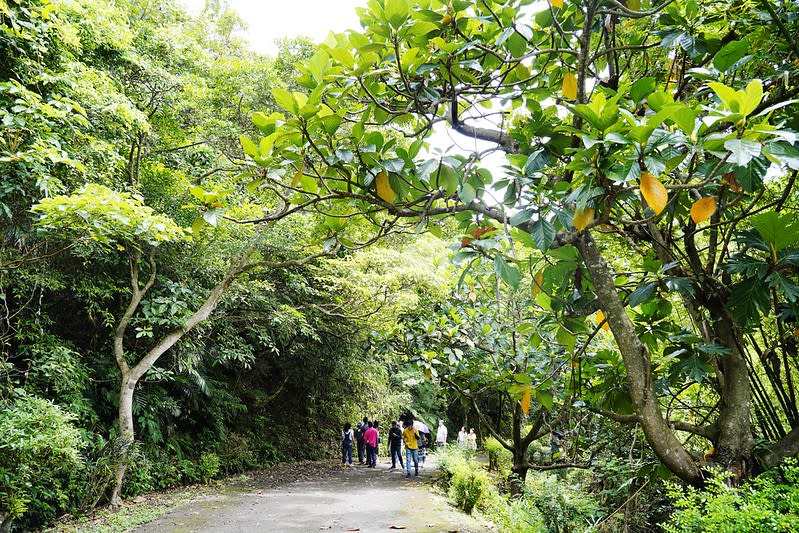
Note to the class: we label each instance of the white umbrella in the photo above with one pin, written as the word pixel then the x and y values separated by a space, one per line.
pixel 421 426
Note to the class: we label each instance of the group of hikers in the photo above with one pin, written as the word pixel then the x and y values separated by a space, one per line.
pixel 414 436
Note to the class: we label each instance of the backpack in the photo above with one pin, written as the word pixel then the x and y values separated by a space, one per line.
pixel 346 440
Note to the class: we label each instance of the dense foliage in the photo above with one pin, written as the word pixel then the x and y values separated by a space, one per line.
pixel 119 152
pixel 194 269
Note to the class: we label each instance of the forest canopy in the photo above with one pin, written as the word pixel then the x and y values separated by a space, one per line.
pixel 200 242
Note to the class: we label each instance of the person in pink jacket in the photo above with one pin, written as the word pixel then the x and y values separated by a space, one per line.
pixel 370 438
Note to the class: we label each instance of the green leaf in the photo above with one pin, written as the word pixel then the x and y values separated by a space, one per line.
pixel 729 54
pixel 447 178
pixel 727 96
pixel 783 154
pixel 467 193
pixel 285 100
pixel 692 367
pixel 250 148
pixel 752 96
pixel 543 233
pixel 642 88
pixel 536 161
pixel 751 176
pixel 396 12
pixel 779 230
pixel 566 339
pixel 784 286
pixel 508 273
pixel 748 299
pixel 545 399
pixel 641 294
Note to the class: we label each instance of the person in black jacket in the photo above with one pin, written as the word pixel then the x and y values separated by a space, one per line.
pixel 395 444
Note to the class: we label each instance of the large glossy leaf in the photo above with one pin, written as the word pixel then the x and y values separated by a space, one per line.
pixel 582 217
pixel 543 233
pixel 729 54
pixel 654 192
pixel 703 209
pixel 508 273
pixel 780 230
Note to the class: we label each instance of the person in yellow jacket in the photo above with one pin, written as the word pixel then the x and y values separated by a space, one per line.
pixel 410 436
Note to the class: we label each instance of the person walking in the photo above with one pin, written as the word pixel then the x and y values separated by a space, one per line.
pixel 347 439
pixel 462 436
pixel 410 436
pixel 441 434
pixel 395 445
pixel 359 431
pixel 422 448
pixel 370 440
pixel 471 440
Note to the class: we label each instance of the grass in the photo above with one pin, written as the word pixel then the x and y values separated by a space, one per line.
pixel 137 511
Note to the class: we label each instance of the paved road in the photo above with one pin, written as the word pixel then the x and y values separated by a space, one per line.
pixel 351 499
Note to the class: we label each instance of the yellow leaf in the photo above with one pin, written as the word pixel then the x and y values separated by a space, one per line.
pixel 538 283
pixel 384 190
pixel 473 296
pixel 295 181
pixel 635 5
pixel 600 319
pixel 703 209
pixel 582 218
pixel 556 3
pixel 569 87
pixel 654 192
pixel 525 401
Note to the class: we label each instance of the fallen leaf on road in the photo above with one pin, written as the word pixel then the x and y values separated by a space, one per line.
pixel 353 529
pixel 397 527
pixel 326 527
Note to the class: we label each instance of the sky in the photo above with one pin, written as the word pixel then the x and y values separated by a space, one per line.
pixel 268 20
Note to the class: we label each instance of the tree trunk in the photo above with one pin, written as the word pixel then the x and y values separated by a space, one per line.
pixel 659 435
pixel 735 442
pixel 126 436
pixel 519 470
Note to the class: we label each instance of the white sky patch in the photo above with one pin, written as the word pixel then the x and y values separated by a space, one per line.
pixel 268 20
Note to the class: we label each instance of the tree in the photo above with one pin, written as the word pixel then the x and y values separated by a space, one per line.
pixel 486 342
pixel 96 219
pixel 637 134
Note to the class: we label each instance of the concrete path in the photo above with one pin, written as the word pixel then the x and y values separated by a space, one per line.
pixel 350 499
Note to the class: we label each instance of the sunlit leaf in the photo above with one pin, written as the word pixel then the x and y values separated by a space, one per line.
pixel 600 320
pixel 582 217
pixel 703 209
pixel 569 87
pixel 556 3
pixel 654 192
pixel 538 283
pixel 525 401
pixel 383 187
pixel 506 272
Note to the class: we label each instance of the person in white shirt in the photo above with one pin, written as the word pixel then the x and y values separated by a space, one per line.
pixel 441 434
pixel 462 437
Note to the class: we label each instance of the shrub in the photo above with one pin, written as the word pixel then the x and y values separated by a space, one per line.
pixel 768 503
pixel 512 515
pixel 209 466
pixel 39 450
pixel 449 459
pixel 499 458
pixel 468 486
pixel 563 508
